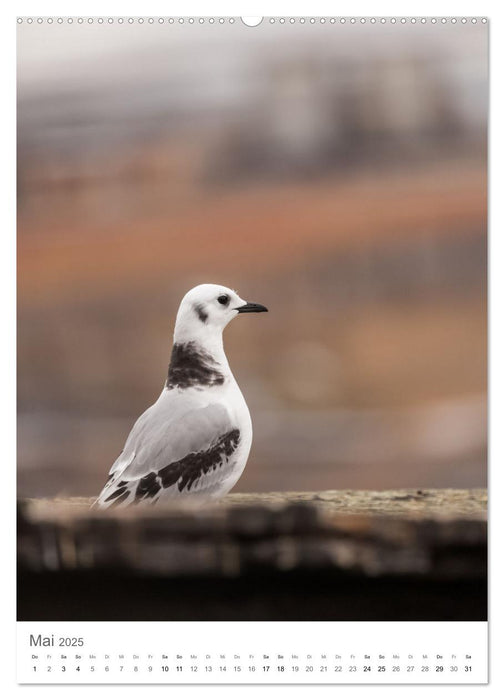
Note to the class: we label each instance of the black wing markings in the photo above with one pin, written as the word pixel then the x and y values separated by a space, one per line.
pixel 186 471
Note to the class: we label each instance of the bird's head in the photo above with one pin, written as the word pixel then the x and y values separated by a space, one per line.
pixel 207 309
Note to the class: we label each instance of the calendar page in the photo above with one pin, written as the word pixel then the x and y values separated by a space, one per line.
pixel 252 271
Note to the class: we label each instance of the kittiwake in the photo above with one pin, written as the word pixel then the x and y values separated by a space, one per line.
pixel 195 440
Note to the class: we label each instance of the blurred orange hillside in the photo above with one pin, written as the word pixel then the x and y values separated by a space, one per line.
pixel 346 190
pixel 226 229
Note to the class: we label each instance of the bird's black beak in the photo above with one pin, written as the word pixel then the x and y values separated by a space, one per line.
pixel 250 308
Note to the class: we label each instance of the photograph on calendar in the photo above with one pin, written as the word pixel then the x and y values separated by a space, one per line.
pixel 252 319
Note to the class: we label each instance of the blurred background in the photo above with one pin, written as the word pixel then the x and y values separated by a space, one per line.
pixel 335 173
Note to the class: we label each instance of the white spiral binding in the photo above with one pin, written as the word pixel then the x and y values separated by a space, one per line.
pixel 271 20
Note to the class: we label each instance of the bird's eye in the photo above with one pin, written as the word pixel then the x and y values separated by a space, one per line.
pixel 223 299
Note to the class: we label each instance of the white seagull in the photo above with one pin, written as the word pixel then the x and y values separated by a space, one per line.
pixel 196 438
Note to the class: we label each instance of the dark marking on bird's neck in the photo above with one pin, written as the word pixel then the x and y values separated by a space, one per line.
pixel 201 313
pixel 190 366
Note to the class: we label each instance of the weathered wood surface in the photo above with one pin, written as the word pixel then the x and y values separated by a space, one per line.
pixel 435 533
pixel 403 503
pixel 335 555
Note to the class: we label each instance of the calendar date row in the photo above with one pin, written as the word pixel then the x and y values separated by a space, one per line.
pixel 309 668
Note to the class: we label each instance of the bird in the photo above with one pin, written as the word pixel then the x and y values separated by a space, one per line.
pixel 194 441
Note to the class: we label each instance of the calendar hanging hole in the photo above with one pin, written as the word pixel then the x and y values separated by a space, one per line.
pixel 252 21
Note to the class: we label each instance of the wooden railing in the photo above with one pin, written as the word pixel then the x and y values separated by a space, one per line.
pixel 411 554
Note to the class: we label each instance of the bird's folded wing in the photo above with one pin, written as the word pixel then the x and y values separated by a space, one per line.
pixel 174 448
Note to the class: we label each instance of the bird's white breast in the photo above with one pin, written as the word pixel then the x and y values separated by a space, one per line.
pixel 240 416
